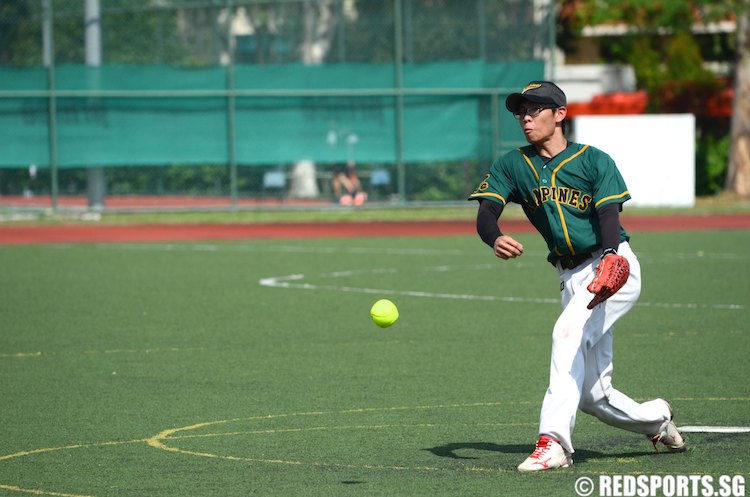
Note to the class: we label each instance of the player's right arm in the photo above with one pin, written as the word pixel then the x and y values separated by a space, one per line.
pixel 493 193
pixel 488 228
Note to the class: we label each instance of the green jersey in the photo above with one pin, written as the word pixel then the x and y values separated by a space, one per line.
pixel 559 195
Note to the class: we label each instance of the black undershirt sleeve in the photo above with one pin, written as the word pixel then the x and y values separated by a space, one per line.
pixel 487 217
pixel 609 225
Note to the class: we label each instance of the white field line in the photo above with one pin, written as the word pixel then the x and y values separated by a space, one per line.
pixel 714 429
pixel 291 282
pixel 295 281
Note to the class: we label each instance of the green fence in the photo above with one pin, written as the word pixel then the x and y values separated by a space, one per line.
pixel 140 90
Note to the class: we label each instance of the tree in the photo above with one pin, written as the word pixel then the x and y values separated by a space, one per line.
pixel 13 31
pixel 738 176
pixel 661 44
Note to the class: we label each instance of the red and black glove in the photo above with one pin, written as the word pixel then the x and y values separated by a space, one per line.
pixel 611 274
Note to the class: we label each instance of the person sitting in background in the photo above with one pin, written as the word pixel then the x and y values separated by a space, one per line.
pixel 347 188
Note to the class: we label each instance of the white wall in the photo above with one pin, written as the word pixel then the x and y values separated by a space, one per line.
pixel 655 154
pixel 582 82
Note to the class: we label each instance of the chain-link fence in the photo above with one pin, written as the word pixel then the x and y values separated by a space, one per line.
pixel 240 100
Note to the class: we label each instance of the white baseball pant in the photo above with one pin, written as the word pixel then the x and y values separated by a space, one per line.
pixel 581 362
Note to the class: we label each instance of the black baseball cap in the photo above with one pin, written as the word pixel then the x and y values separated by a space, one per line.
pixel 540 92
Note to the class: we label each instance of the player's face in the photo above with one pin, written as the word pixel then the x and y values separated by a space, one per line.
pixel 538 122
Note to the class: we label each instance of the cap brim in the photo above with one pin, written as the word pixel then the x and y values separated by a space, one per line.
pixel 514 100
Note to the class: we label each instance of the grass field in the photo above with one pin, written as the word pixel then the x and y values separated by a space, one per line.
pixel 252 368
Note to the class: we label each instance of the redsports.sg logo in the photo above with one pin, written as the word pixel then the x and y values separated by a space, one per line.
pixel 661 486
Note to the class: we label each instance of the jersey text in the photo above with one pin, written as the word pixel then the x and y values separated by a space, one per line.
pixel 563 195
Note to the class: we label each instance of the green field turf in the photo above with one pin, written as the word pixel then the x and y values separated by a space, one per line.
pixel 252 368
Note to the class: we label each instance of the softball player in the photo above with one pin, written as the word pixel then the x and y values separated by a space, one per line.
pixel 572 194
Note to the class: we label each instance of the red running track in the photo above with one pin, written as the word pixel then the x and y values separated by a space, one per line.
pixel 103 233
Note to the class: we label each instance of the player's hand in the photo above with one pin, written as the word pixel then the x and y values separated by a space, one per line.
pixel 507 248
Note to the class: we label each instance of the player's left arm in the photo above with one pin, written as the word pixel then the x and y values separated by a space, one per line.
pixel 609 227
pixel 609 195
pixel 613 270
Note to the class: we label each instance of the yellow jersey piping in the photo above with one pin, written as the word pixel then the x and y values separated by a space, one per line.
pixel 489 194
pixel 611 197
pixel 557 201
pixel 528 161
